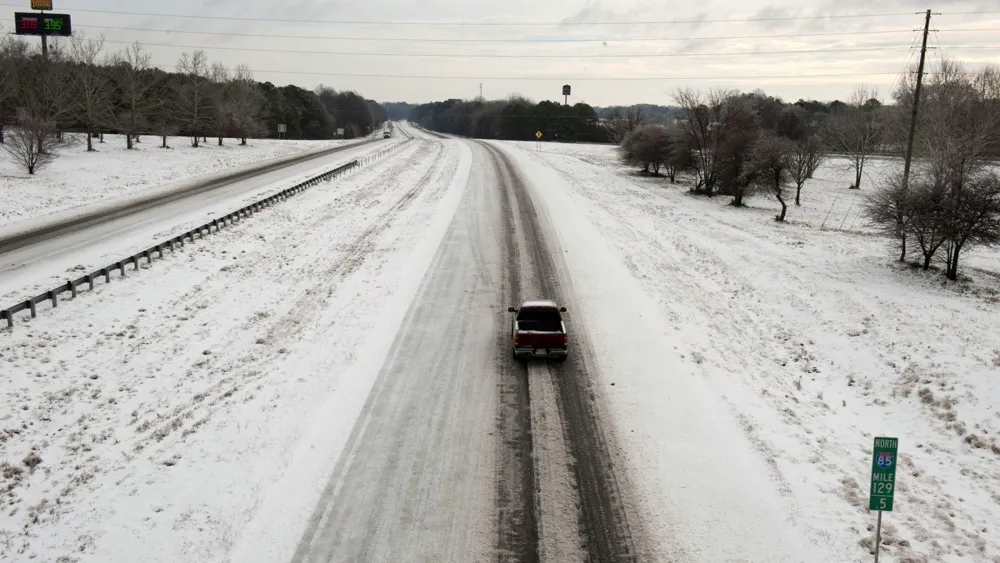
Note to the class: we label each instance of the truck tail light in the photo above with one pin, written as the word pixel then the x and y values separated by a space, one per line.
pixel 566 339
pixel 515 340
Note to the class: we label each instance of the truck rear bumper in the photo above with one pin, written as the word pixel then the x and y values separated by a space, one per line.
pixel 541 353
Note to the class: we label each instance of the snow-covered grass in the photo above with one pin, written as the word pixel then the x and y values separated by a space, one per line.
pixel 748 364
pixel 77 178
pixel 191 412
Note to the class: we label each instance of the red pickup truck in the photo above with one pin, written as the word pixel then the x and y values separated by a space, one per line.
pixel 539 332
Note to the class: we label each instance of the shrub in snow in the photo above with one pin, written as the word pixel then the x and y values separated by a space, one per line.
pixel 32 142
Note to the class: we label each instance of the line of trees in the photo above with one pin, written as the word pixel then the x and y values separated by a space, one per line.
pixel 79 88
pixel 732 144
pixel 739 145
pixel 513 119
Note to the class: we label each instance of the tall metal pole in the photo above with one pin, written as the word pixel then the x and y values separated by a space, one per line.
pixel 45 36
pixel 878 535
pixel 916 104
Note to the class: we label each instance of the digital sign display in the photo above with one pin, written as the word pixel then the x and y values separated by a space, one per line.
pixel 26 23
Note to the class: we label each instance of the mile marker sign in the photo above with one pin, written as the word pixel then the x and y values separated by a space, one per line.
pixel 884 462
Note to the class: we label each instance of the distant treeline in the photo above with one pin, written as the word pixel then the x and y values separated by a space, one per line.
pixel 80 87
pixel 516 119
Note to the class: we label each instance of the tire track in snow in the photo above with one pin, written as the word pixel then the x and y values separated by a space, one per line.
pixel 517 528
pixel 602 520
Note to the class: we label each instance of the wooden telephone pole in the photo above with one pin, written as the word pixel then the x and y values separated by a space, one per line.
pixel 916 102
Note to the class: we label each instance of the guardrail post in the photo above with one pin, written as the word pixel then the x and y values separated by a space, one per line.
pixel 148 256
pixel 121 268
pixel 31 307
pixel 9 316
pixel 135 263
pixel 72 288
pixel 107 275
pixel 54 297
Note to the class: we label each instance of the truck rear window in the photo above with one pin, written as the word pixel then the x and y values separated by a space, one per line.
pixel 539 319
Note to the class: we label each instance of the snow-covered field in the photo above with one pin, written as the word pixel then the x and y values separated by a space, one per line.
pixel 767 357
pixel 153 420
pixel 76 177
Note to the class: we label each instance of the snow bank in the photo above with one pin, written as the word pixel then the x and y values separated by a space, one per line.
pixel 77 177
pixel 183 414
pixel 753 362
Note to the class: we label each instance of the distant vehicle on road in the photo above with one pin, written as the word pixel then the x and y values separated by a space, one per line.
pixel 539 332
pixel 387 135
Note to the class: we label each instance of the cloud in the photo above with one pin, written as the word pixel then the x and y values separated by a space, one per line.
pixel 689 28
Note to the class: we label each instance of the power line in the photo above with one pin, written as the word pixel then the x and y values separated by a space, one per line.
pixel 520 56
pixel 507 40
pixel 555 78
pixel 968 13
pixel 483 23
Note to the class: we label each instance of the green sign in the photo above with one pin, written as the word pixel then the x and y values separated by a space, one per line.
pixel 884 462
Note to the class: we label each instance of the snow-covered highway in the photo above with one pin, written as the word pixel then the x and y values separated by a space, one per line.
pixel 332 380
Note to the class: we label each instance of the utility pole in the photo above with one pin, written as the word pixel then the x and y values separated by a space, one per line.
pixel 480 90
pixel 45 37
pixel 916 102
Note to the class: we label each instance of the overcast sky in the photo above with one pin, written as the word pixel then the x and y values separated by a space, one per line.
pixel 543 44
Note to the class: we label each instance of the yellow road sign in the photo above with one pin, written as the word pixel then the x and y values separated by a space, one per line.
pixel 41 5
pixel 538 134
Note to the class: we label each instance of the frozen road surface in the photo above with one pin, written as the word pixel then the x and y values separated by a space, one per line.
pixel 332 381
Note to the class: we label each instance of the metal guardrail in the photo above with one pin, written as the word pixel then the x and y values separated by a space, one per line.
pixel 157 251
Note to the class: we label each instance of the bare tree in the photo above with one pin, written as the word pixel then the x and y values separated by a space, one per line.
pixel 648 147
pixel 771 158
pixel 220 94
pixel 737 132
pixel 194 101
pixel 804 160
pixel 681 156
pixel 888 208
pixel 44 90
pixel 624 121
pixel 701 120
pixel 246 102
pixel 92 83
pixel 13 56
pixel 32 142
pixel 974 218
pixel 136 81
pixel 857 130
pixel 164 115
